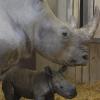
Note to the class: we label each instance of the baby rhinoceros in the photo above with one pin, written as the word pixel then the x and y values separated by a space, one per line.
pixel 21 82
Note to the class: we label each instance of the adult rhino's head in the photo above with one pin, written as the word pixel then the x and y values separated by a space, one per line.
pixel 58 41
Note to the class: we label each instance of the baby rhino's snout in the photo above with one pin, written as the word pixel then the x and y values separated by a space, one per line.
pixel 72 93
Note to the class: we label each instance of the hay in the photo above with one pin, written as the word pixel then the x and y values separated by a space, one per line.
pixel 85 92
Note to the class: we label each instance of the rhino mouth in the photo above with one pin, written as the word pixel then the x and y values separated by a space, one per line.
pixel 70 95
pixel 73 63
pixel 78 64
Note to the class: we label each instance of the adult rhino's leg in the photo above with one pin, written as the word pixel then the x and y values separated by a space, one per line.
pixel 49 96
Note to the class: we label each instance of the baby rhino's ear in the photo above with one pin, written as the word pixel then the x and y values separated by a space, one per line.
pixel 48 71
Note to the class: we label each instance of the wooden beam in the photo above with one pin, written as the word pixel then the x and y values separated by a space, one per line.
pixel 88 8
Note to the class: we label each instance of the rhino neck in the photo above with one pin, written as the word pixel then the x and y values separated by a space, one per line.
pixel 40 84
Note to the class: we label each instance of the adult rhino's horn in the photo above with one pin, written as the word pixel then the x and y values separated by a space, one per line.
pixel 89 29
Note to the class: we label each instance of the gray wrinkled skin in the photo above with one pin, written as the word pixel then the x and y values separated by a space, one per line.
pixel 30 24
pixel 38 85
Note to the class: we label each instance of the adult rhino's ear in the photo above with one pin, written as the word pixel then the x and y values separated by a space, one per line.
pixel 48 71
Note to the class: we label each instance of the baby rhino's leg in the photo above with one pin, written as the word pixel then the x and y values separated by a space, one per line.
pixel 16 97
pixel 8 90
pixel 49 96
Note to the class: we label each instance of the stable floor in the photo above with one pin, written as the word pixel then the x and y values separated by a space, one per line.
pixel 85 92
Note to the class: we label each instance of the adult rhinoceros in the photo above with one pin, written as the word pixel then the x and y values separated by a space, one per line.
pixel 26 25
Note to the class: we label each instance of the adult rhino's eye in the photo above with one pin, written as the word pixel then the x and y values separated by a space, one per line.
pixel 64 34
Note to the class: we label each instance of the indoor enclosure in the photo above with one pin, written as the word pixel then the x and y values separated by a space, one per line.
pixel 85 77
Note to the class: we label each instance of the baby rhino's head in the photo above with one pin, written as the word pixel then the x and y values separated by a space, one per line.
pixel 60 85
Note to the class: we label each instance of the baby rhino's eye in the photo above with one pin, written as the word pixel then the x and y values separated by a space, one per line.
pixel 61 87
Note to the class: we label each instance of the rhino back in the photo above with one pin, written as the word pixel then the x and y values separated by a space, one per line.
pixel 22 81
pixel 12 40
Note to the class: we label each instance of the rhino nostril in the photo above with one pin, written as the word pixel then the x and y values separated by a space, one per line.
pixel 85 57
pixel 61 87
pixel 64 34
